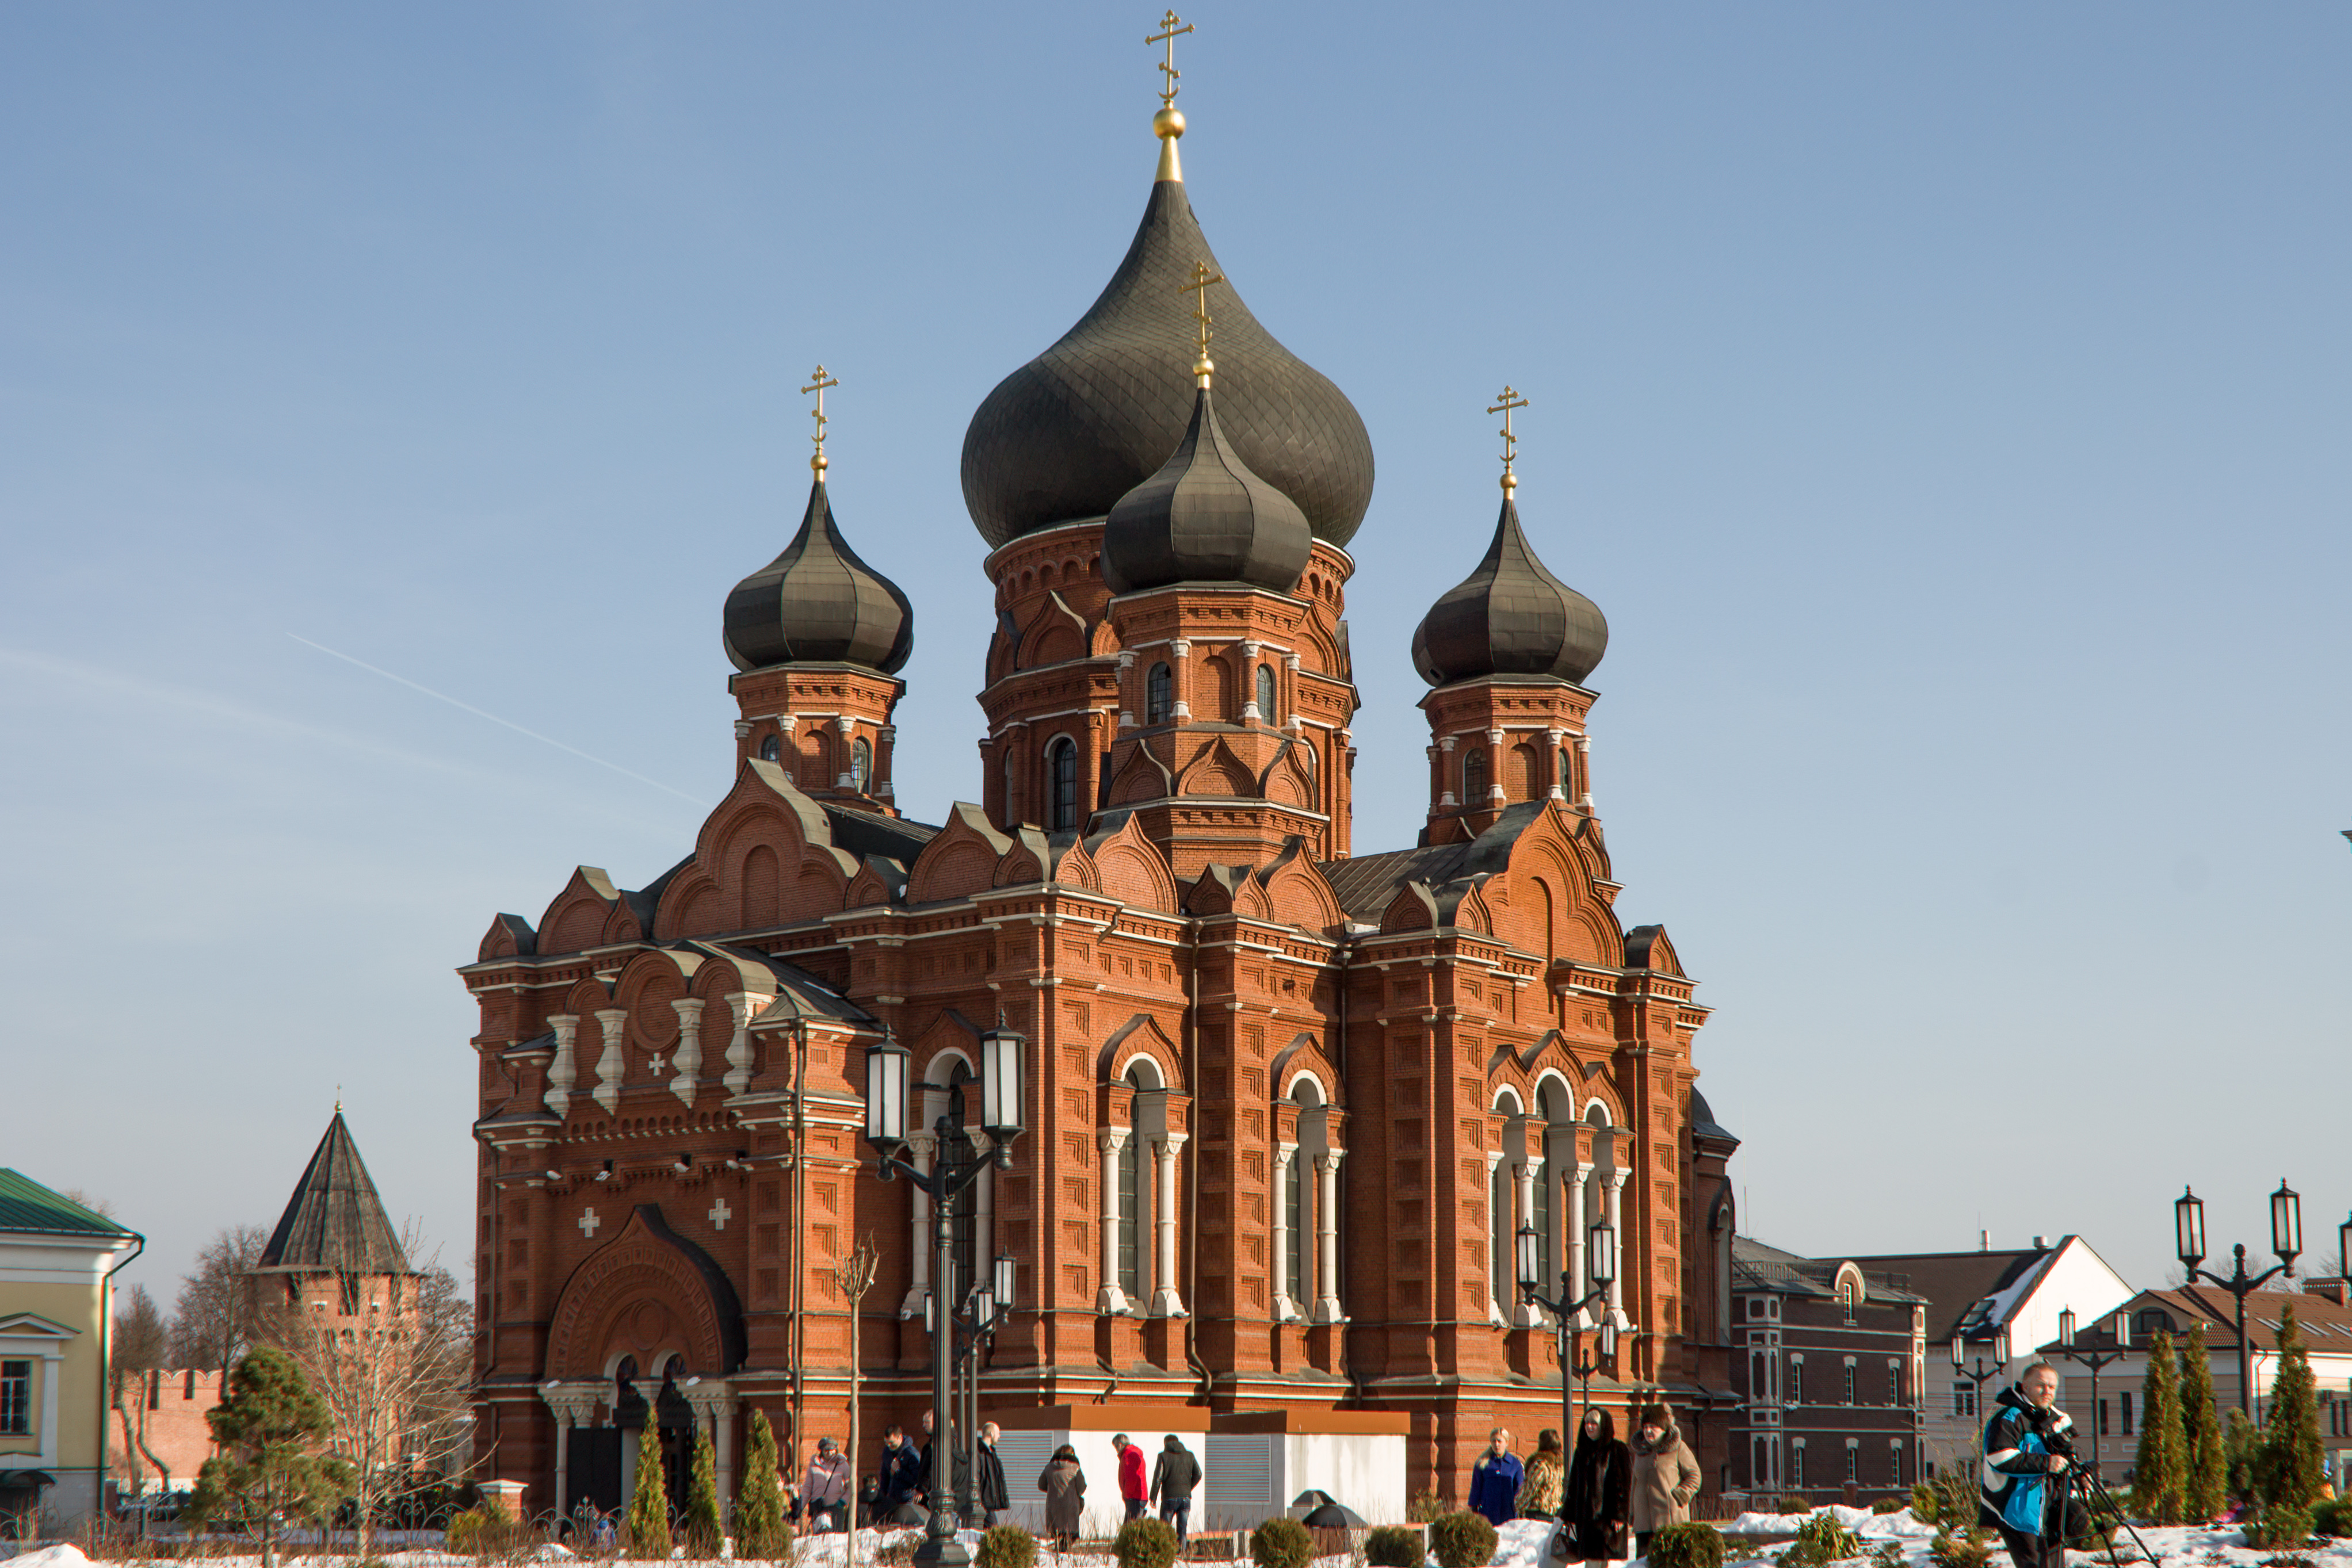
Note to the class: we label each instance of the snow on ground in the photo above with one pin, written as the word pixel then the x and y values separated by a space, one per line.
pixel 1520 1544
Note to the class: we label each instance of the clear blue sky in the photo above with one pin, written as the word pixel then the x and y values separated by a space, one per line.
pixel 1947 406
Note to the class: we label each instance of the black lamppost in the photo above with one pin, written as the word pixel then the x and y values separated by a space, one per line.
pixel 2286 1243
pixel 2094 1359
pixel 1983 1373
pixel 1602 1248
pixel 986 1310
pixel 886 1128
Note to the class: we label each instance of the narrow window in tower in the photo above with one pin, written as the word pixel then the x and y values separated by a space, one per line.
pixel 1541 1220
pixel 1499 1239
pixel 1062 764
pixel 770 749
pixel 1012 813
pixel 1265 693
pixel 1294 1216
pixel 1130 1255
pixel 861 766
pixel 1159 694
pixel 1474 778
pixel 958 1150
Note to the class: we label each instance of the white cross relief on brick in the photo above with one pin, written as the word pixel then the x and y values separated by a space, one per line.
pixel 589 1222
pixel 654 1061
pixel 720 1214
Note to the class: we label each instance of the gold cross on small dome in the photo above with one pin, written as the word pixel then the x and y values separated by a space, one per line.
pixel 1511 400
pixel 817 413
pixel 1202 278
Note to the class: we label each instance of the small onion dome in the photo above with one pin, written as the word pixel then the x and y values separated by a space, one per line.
pixel 1510 617
pixel 818 603
pixel 1065 436
pixel 1204 518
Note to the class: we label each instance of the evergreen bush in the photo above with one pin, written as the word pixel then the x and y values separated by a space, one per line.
pixel 2280 1526
pixel 1144 1544
pixel 760 1530
pixel 1692 1546
pixel 1887 1505
pixel 2332 1516
pixel 2288 1463
pixel 1922 1503
pixel 487 1531
pixel 1394 1546
pixel 1463 1540
pixel 1423 1507
pixel 1793 1503
pixel 1887 1554
pixel 1822 1539
pixel 1971 1548
pixel 2238 1442
pixel 1958 1496
pixel 646 1532
pixel 1007 1546
pixel 1281 1543
pixel 2160 1469
pixel 2206 1492
pixel 700 1523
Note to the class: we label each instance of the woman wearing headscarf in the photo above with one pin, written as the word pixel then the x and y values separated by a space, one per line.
pixel 1665 1477
pixel 1065 1486
pixel 1600 1480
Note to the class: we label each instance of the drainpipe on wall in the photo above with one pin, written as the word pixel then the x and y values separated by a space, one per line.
pixel 106 1359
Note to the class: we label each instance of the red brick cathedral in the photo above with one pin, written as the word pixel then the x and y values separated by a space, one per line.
pixel 1287 1104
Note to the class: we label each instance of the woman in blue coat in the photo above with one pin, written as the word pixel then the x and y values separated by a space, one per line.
pixel 1495 1481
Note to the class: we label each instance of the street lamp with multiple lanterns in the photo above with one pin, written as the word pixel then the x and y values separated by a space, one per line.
pixel 1000 1097
pixel 2094 1359
pixel 1983 1373
pixel 2286 1243
pixel 1602 1248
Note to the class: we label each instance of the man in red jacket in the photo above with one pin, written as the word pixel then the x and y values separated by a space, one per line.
pixel 1130 1476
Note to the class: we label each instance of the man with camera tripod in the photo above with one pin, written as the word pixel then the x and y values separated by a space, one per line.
pixel 2029 1447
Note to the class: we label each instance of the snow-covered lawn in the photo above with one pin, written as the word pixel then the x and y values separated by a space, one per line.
pixel 1521 1544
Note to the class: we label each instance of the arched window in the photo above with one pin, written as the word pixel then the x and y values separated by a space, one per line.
pixel 1012 778
pixel 1294 1220
pixel 1567 774
pixel 1474 778
pixel 956 1148
pixel 770 749
pixel 861 766
pixel 1062 767
pixel 1133 1188
pixel 1159 694
pixel 1265 693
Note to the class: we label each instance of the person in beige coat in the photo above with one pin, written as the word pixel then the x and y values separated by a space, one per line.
pixel 1665 1477
pixel 1065 1486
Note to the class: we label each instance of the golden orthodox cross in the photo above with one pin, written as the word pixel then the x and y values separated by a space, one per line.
pixel 1511 400
pixel 817 413
pixel 1202 278
pixel 1169 32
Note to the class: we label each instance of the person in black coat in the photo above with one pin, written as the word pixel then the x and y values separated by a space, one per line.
pixel 995 1502
pixel 1598 1496
pixel 903 1481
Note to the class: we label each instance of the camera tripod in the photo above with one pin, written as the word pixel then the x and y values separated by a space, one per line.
pixel 2099 1507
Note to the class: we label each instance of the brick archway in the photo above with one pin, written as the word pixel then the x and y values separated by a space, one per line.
pixel 649 1293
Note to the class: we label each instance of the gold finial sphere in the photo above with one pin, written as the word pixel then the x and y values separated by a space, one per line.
pixel 1202 369
pixel 818 463
pixel 1168 122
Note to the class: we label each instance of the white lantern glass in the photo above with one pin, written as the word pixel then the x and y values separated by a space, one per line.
pixel 2067 1323
pixel 886 1093
pixel 1000 1087
pixel 2286 1224
pixel 1005 1281
pixel 2188 1228
pixel 1602 1254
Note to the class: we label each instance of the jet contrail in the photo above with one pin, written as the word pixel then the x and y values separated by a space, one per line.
pixel 477 712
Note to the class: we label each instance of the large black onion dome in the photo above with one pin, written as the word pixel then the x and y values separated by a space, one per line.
pixel 1510 617
pixel 1204 518
pixel 1066 434
pixel 817 603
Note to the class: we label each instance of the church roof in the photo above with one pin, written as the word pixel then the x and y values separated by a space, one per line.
pixel 1065 436
pixel 335 1222
pixel 1204 518
pixel 818 603
pixel 26 1206
pixel 1510 617
pixel 1366 885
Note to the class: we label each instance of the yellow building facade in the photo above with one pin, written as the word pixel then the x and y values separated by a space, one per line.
pixel 57 1262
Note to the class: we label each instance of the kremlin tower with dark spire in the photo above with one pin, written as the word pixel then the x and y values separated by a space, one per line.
pixel 1291 1110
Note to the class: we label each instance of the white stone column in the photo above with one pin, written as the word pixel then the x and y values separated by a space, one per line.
pixel 1584 767
pixel 1552 761
pixel 1446 773
pixel 561 1073
pixel 1126 692
pixel 1580 1277
pixel 1165 1301
pixel 1284 1307
pixel 1529 1314
pixel 53 1374
pixel 1180 653
pixel 919 1148
pixel 1327 1236
pixel 614 1062
pixel 713 1401
pixel 745 1006
pixel 1494 768
pixel 1498 1292
pixel 1617 1241
pixel 1110 1298
pixel 688 1057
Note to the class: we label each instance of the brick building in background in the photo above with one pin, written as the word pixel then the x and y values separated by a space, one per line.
pixel 1287 1103
pixel 1830 1372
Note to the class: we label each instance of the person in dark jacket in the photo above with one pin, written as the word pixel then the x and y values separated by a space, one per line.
pixel 995 1502
pixel 1065 1486
pixel 2028 1445
pixel 1495 1481
pixel 1599 1484
pixel 1172 1480
pixel 902 1472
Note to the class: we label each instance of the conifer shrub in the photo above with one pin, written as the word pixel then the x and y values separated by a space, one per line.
pixel 1144 1544
pixel 2239 1440
pixel 1922 1503
pixel 703 1531
pixel 1793 1503
pixel 2332 1516
pixel 2280 1526
pixel 760 1529
pixel 1887 1505
pixel 1394 1546
pixel 2206 1492
pixel 1692 1546
pixel 1822 1539
pixel 1423 1506
pixel 487 1531
pixel 646 1531
pixel 1957 1497
pixel 2160 1468
pixel 1281 1543
pixel 2288 1462
pixel 1971 1548
pixel 1007 1546
pixel 1462 1540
